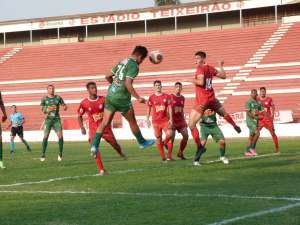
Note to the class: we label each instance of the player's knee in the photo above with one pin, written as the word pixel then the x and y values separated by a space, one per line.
pixel 222 143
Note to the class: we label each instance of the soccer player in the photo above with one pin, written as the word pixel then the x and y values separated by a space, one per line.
pixel 160 105
pixel 205 96
pixel 253 108
pixel 16 124
pixel 209 126
pixel 3 119
pixel 179 123
pixel 267 121
pixel 119 95
pixel 93 106
pixel 50 107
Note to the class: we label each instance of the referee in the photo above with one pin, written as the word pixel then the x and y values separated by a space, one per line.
pixel 16 123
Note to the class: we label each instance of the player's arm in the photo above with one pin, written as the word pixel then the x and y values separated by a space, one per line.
pixel 80 114
pixel 9 125
pixel 170 113
pixel 4 117
pixel 148 113
pixel 109 78
pixel 131 90
pixel 221 73
pixel 272 109
pixel 44 107
pixel 63 104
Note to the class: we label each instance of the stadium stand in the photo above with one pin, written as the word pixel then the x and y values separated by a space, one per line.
pixel 69 66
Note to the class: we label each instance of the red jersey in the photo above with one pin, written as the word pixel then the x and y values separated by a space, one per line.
pixel 94 109
pixel 177 103
pixel 159 105
pixel 267 103
pixel 206 90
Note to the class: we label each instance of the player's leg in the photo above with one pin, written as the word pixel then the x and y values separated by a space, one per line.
pixel 205 132
pixel 59 132
pixel 12 140
pixel 98 160
pixel 159 143
pixel 218 107
pixel 108 115
pixel 169 134
pixel 130 117
pixel 194 118
pixel 270 127
pixel 21 136
pixel 185 137
pixel 252 140
pixel 219 138
pixel 1 150
pixel 110 138
pixel 47 128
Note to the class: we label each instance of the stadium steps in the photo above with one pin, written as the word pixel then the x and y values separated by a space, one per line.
pixel 9 54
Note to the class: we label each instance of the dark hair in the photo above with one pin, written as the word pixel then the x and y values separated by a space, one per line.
pixel 14 106
pixel 201 54
pixel 50 85
pixel 90 84
pixel 178 83
pixel 141 50
pixel 262 88
pixel 252 90
pixel 156 82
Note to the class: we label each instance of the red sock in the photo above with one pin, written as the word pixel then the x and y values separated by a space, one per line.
pixel 170 149
pixel 275 140
pixel 160 148
pixel 195 134
pixel 183 144
pixel 230 120
pixel 99 161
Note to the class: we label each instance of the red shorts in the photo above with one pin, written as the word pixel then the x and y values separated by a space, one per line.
pixel 207 103
pixel 159 127
pixel 179 125
pixel 266 123
pixel 108 135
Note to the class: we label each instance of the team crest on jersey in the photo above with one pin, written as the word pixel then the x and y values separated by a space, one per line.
pixel 90 109
pixel 101 106
pixel 165 100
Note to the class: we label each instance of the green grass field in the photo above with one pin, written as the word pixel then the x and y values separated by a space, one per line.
pixel 142 190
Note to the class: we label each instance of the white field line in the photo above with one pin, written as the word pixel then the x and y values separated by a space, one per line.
pixel 157 194
pixel 258 214
pixel 119 172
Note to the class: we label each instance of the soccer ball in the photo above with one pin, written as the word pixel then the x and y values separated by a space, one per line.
pixel 155 57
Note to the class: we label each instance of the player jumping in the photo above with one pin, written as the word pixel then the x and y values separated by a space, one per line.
pixel 160 105
pixel 119 95
pixel 16 124
pixel 3 119
pixel 179 123
pixel 253 108
pixel 209 126
pixel 267 121
pixel 50 107
pixel 205 97
pixel 93 106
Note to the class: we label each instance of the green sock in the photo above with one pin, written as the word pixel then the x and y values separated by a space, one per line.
pixel 253 145
pixel 1 154
pixel 97 139
pixel 222 152
pixel 139 137
pixel 61 146
pixel 44 146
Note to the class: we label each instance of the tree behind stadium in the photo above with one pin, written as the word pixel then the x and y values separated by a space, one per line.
pixel 166 2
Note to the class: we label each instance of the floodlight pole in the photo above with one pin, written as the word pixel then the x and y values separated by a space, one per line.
pixel 175 23
pixel 115 29
pixel 86 32
pixel 30 32
pixel 58 34
pixel 241 17
pixel 276 14
pixel 4 39
pixel 146 28
pixel 206 16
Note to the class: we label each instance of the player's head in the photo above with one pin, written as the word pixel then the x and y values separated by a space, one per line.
pixel 91 88
pixel 14 108
pixel 140 53
pixel 254 93
pixel 50 89
pixel 178 88
pixel 157 86
pixel 262 92
pixel 200 57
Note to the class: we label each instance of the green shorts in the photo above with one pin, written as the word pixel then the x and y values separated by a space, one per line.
pixel 117 105
pixel 252 126
pixel 214 131
pixel 54 123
